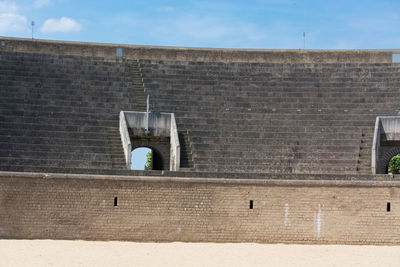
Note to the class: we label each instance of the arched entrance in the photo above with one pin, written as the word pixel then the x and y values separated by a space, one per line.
pixel 146 158
pixel 387 156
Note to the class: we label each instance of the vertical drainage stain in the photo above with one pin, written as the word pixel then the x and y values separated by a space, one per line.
pixel 318 221
pixel 287 223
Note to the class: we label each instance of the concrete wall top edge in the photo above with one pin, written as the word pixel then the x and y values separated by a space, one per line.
pixel 197 54
pixel 224 181
pixel 114 45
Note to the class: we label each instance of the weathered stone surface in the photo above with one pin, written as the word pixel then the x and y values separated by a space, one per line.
pixel 198 54
pixel 151 209
pixel 278 118
pixel 290 131
pixel 60 111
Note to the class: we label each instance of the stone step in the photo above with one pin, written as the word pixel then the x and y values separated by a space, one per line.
pixel 306 169
pixel 260 113
pixel 187 103
pixel 278 107
pixel 324 78
pixel 55 155
pixel 43 120
pixel 264 67
pixel 274 135
pixel 51 134
pixel 117 155
pixel 262 95
pixel 362 164
pixel 54 127
pixel 268 158
pixel 276 154
pixel 278 141
pixel 186 160
pixel 53 140
pixel 270 86
pixel 73 148
pixel 6 161
pixel 364 170
pixel 267 70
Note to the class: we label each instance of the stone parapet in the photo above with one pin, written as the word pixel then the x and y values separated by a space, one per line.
pixel 196 54
pixel 168 209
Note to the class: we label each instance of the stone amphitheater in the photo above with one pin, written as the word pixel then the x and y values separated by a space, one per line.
pixel 268 146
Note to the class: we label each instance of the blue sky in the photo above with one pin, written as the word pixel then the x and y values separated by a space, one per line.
pixel 266 24
pixel 138 160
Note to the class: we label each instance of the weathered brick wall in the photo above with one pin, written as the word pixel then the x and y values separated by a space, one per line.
pixel 198 210
pixel 197 54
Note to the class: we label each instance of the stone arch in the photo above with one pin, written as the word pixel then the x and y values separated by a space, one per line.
pixel 139 158
pixel 160 152
pixel 389 153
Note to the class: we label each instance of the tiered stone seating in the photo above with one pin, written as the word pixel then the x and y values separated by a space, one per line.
pixel 275 118
pixel 60 113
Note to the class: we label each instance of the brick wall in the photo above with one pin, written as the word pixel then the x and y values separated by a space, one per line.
pixel 197 210
pixel 197 54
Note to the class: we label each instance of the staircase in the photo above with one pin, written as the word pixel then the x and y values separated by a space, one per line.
pixel 137 86
pixel 115 148
pixel 186 162
pixel 364 159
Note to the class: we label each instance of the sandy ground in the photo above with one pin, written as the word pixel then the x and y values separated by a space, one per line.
pixel 84 253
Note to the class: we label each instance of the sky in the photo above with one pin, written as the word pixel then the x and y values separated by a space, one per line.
pixel 138 158
pixel 260 24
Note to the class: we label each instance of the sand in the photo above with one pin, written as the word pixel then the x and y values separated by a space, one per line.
pixel 85 253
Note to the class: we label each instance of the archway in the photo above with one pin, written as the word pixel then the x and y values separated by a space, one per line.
pixel 146 158
pixel 389 153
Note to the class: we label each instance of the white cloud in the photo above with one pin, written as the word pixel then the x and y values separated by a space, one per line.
pixel 193 30
pixel 12 23
pixel 61 25
pixel 40 3
pixel 8 7
pixel 10 20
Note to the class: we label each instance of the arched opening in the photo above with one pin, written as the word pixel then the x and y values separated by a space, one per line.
pixel 393 166
pixel 139 158
pixel 144 158
pixel 388 156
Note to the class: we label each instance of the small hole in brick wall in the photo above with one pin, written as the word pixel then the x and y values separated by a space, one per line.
pixel 388 207
pixel 251 204
pixel 115 201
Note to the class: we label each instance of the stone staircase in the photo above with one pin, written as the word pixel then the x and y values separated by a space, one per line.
pixel 115 147
pixel 186 162
pixel 364 159
pixel 138 87
pixel 60 113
